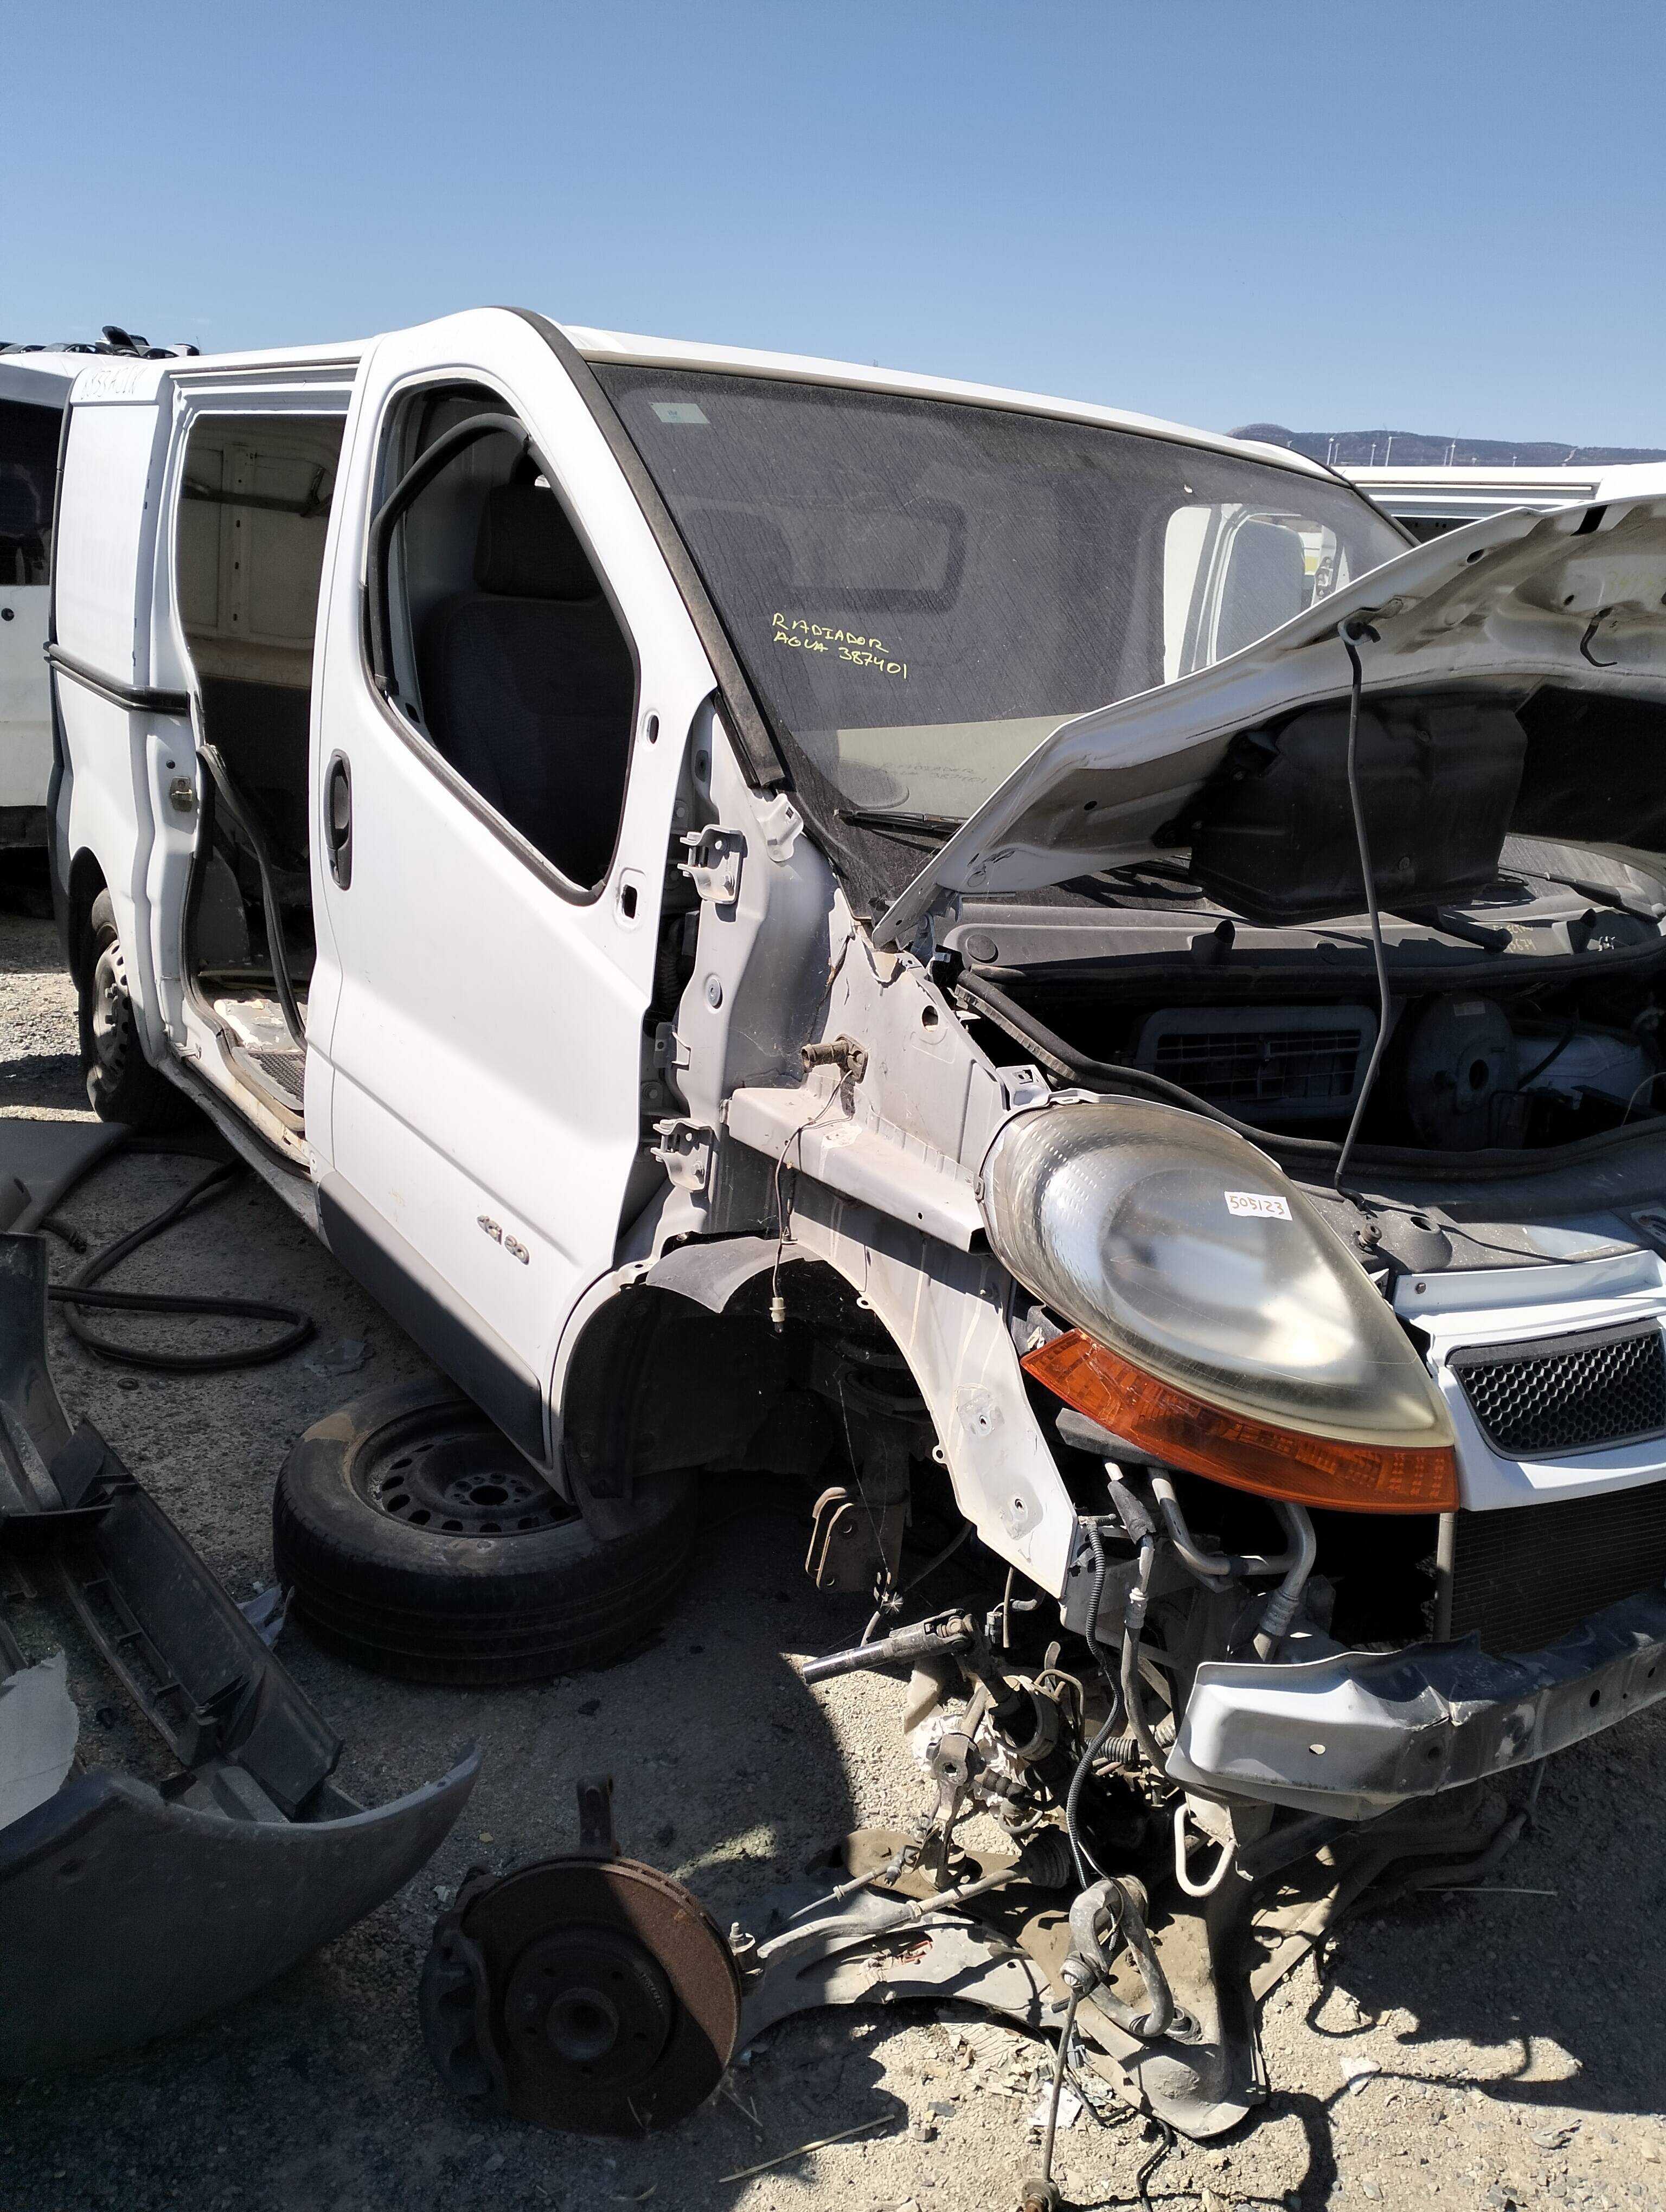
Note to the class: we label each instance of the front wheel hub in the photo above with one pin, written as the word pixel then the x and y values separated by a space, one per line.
pixel 591 2008
pixel 587 1994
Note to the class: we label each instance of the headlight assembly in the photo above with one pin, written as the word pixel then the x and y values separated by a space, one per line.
pixel 1218 1324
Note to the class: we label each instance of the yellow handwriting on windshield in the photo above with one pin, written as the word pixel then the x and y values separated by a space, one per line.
pixel 851 646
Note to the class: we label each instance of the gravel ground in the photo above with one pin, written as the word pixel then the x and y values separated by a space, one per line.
pixel 1487 2049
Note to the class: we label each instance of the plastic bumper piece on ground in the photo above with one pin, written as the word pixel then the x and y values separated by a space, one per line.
pixel 1359 1732
pixel 123 1916
pixel 127 1909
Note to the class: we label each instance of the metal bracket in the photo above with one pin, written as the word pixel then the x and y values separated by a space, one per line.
pixel 670 1052
pixel 781 823
pixel 685 1151
pixel 856 1537
pixel 844 1553
pixel 714 863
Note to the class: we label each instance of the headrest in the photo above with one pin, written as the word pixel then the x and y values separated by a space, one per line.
pixel 1265 571
pixel 20 503
pixel 528 549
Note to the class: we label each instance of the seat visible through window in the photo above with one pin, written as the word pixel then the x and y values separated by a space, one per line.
pixel 528 687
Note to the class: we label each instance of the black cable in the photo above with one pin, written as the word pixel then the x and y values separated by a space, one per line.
pixel 78 1291
pixel 1349 632
pixel 1079 1850
pixel 1555 1053
pixel 1142 2180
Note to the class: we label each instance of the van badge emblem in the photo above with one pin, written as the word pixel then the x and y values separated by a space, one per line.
pixel 499 1235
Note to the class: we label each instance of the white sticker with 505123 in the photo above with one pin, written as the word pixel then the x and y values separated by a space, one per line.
pixel 1260 1203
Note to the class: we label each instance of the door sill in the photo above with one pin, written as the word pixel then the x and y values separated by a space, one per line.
pixel 278 1168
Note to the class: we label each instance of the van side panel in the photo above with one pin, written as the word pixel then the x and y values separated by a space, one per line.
pixel 105 559
pixel 107 533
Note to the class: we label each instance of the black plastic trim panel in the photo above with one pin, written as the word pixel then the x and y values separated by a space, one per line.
pixel 138 698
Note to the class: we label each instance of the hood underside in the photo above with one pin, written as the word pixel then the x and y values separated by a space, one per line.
pixel 1575 598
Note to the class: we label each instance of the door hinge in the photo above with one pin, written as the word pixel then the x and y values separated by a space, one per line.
pixel 714 863
pixel 685 1151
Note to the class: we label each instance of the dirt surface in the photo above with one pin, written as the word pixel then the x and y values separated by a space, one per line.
pixel 1505 2047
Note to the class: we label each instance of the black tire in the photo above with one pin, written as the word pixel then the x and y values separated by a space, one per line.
pixel 419 1543
pixel 121 1083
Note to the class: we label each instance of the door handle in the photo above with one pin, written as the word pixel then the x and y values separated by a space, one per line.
pixel 338 818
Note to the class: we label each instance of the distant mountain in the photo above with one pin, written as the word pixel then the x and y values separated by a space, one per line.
pixel 1411 449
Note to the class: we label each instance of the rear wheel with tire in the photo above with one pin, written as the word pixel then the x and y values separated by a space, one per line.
pixel 418 1542
pixel 121 1083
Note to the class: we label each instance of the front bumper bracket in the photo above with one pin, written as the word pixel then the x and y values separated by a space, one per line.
pixel 1357 1732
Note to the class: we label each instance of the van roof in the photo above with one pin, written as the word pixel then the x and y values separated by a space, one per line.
pixel 601 345
pixel 41 374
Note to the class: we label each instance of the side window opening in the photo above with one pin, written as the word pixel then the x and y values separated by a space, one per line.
pixel 507 651
pixel 253 510
pixel 28 466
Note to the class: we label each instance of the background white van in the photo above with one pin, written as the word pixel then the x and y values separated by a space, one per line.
pixel 34 388
pixel 1429 501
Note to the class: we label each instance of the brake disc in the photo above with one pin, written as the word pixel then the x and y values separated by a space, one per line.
pixel 589 1994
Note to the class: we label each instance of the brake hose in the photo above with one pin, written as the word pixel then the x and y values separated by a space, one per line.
pixel 78 1291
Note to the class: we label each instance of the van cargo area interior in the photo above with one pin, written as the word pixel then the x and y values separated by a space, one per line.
pixel 254 508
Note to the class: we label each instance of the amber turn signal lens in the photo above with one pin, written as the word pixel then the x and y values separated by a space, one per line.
pixel 1182 1431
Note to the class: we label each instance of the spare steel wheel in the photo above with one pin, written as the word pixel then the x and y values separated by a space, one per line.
pixel 417 1541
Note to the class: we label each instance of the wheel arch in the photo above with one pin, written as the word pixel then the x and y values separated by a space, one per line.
pixel 85 880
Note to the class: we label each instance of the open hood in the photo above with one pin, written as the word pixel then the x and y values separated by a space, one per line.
pixel 1576 597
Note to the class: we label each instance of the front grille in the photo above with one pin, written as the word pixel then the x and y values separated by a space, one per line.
pixel 1526 1575
pixel 1297 1062
pixel 1567 1393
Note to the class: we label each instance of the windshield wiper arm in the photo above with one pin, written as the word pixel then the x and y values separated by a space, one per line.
pixel 1463 926
pixel 1599 894
pixel 886 817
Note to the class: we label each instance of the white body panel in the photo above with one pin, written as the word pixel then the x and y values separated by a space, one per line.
pixel 492 1070
pixel 1517 598
pixel 35 380
pixel 106 536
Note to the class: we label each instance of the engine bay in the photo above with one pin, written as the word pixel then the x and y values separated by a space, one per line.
pixel 1525 1017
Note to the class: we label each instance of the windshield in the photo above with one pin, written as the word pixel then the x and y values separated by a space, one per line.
pixel 920 590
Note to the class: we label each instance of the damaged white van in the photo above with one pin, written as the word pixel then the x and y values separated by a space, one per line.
pixel 981 953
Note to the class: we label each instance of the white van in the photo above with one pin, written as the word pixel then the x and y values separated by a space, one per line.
pixel 1431 501
pixel 1011 962
pixel 34 389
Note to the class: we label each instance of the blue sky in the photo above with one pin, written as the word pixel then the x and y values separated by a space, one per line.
pixel 1442 218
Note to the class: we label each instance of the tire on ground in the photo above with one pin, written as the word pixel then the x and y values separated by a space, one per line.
pixel 358 1535
pixel 121 1083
